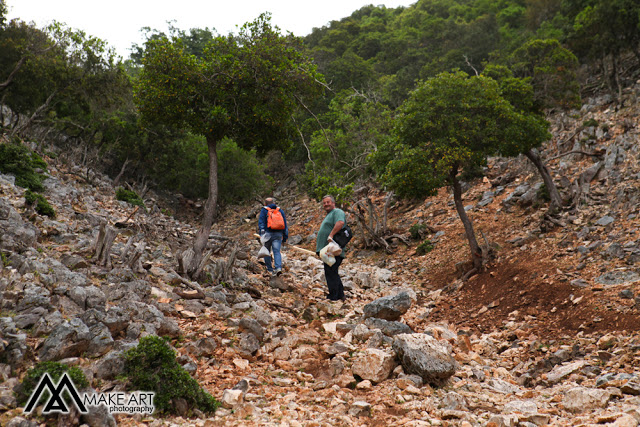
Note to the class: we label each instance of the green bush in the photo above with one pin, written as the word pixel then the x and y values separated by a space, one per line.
pixel 152 366
pixel 424 247
pixel 19 161
pixel 320 186
pixel 417 231
pixel 55 370
pixel 42 205
pixel 241 175
pixel 590 123
pixel 129 196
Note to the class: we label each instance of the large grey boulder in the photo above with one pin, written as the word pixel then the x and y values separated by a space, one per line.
pixel 423 355
pixel 69 339
pixel 148 316
pixel 88 297
pixel 47 323
pixel 34 296
pixel 389 307
pixel 136 290
pixel 204 347
pixel 248 344
pixel 15 233
pixel 116 319
pixel 101 341
pixel 252 326
pixel 27 318
pixel 109 366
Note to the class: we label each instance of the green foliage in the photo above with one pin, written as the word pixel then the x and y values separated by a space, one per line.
pixel 55 370
pixel 424 247
pixel 604 27
pixel 152 366
pixel 182 164
pixel 42 206
pixel 356 126
pixel 19 161
pixel 323 185
pixel 62 77
pixel 417 231
pixel 242 175
pixel 242 87
pixel 552 70
pixel 590 123
pixel 129 196
pixel 451 123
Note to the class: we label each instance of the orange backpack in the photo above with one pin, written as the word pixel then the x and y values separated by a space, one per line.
pixel 275 220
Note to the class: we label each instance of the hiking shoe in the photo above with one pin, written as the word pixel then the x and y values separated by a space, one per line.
pixel 278 272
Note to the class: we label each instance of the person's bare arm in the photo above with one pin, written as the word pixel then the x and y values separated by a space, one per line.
pixel 335 229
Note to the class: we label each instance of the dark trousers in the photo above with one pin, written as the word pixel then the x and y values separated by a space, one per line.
pixel 336 291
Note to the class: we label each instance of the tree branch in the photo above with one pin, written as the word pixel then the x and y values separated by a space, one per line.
pixel 594 154
pixel 13 73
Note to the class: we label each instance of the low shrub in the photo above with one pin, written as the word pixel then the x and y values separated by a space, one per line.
pixel 152 366
pixel 19 161
pixel 424 247
pixel 129 196
pixel 55 370
pixel 42 205
pixel 417 231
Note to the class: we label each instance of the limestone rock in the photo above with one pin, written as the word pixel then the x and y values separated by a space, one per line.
pixel 374 365
pixel 425 356
pixel 69 339
pixel 580 399
pixel 388 308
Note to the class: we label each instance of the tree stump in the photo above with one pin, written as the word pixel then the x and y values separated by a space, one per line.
pixel 106 237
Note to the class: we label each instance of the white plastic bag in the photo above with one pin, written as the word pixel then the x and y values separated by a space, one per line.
pixel 333 248
pixel 264 238
pixel 263 252
pixel 329 252
pixel 327 258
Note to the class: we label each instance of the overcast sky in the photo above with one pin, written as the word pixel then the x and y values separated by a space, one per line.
pixel 119 21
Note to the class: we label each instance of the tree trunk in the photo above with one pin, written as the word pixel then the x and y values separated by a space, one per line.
pixel 476 252
pixel 556 200
pixel 616 75
pixel 106 237
pixel 193 256
pixel 119 177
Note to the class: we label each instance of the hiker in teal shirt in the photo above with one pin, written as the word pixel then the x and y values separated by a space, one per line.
pixel 332 223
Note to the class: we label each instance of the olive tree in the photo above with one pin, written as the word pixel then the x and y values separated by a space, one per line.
pixel 450 124
pixel 243 87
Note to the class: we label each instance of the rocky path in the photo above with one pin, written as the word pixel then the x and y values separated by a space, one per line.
pixel 326 364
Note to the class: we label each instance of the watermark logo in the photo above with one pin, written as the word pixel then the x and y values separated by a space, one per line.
pixel 115 403
pixel 56 403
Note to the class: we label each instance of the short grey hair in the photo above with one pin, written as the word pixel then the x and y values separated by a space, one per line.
pixel 328 196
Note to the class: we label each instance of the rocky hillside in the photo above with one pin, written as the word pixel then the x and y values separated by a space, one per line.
pixel 547 335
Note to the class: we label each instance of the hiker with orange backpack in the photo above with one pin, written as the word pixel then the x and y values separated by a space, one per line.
pixel 272 224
